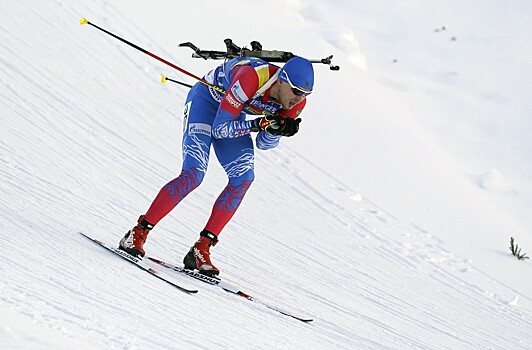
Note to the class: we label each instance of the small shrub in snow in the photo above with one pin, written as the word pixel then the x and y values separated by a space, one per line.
pixel 516 251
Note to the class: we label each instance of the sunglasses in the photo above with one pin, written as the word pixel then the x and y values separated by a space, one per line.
pixel 296 90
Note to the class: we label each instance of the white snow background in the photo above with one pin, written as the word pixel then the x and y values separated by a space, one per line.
pixel 387 219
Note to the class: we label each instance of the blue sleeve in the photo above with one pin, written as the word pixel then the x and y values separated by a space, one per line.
pixel 223 128
pixel 265 140
pixel 230 120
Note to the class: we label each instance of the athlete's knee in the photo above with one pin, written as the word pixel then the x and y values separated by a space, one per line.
pixel 193 177
pixel 241 169
pixel 243 181
pixel 186 182
pixel 246 177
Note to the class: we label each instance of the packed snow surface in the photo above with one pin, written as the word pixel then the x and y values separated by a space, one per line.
pixel 386 219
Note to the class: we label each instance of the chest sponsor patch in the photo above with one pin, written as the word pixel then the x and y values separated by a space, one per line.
pixel 264 106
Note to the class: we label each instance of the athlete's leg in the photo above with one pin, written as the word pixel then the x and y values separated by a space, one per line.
pixel 200 110
pixel 237 158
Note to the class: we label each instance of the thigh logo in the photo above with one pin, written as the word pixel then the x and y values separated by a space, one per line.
pixel 199 128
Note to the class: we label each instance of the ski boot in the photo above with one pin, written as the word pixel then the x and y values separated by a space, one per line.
pixel 135 238
pixel 198 257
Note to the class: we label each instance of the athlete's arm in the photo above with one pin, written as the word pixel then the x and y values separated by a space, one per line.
pixel 229 121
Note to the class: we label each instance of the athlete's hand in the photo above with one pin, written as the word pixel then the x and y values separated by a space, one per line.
pixel 290 127
pixel 276 125
pixel 270 123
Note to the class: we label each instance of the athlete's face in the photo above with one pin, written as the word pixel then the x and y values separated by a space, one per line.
pixel 287 97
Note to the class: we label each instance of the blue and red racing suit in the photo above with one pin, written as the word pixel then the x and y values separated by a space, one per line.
pixel 211 117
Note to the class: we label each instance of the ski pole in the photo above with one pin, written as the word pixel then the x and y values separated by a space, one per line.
pixel 201 80
pixel 164 79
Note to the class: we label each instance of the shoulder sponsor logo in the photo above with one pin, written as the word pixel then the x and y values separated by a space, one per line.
pixel 199 128
pixel 238 92
pixel 232 101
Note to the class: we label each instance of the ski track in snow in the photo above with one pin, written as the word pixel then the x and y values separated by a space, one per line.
pixel 76 155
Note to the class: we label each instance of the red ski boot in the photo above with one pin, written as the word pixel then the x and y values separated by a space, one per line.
pixel 198 257
pixel 135 238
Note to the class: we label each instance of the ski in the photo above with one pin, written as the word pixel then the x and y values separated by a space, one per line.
pixel 139 263
pixel 215 281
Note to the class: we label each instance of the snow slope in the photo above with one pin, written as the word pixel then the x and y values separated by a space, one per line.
pixel 386 219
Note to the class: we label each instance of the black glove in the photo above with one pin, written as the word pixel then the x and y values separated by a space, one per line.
pixel 290 127
pixel 270 123
pixel 276 125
